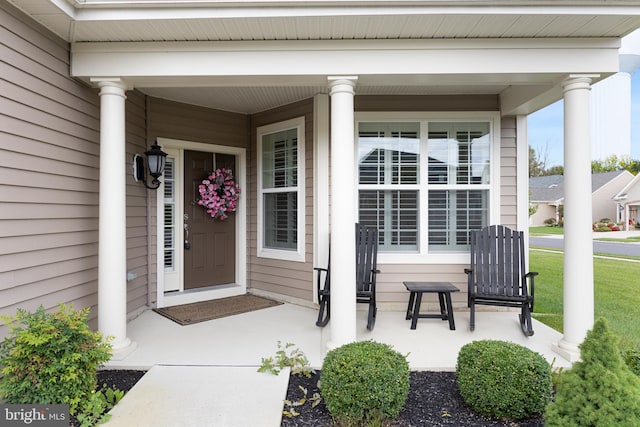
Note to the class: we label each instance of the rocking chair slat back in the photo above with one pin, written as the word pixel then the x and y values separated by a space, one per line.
pixel 497 276
pixel 366 258
pixel 497 258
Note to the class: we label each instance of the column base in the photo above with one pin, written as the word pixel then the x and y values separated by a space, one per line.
pixel 568 351
pixel 124 349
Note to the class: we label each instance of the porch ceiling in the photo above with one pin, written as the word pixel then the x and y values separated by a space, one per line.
pixel 87 22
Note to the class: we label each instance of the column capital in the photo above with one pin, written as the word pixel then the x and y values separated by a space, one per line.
pixel 342 84
pixel 578 81
pixel 115 83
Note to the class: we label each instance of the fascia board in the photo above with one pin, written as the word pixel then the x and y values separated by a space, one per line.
pixel 106 10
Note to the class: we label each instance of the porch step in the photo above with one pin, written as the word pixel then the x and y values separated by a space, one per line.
pixel 222 396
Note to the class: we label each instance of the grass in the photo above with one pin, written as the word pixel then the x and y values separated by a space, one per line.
pixel 617 297
pixel 544 230
pixel 613 239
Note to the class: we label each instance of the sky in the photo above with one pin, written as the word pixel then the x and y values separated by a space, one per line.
pixel 546 134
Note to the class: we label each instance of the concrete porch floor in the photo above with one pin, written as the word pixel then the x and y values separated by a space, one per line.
pixel 208 370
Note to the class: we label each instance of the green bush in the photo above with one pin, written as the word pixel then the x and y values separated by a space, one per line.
pixel 599 390
pixel 364 381
pixel 51 358
pixel 631 358
pixel 551 222
pixel 500 379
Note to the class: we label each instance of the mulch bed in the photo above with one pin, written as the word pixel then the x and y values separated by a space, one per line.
pixel 121 379
pixel 434 400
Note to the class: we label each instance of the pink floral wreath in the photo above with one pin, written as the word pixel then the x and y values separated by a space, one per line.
pixel 219 193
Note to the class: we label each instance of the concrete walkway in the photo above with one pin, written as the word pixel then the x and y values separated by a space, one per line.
pixel 181 396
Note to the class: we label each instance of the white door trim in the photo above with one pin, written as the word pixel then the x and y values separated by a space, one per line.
pixel 189 296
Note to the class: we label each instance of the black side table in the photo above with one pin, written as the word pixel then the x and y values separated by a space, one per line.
pixel 443 289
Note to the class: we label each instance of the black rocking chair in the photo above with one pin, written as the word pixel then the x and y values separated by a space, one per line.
pixel 366 270
pixel 497 273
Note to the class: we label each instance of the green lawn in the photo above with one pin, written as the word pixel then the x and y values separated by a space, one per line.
pixel 542 230
pixel 629 239
pixel 617 293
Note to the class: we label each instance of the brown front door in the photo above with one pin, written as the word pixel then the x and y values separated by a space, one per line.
pixel 210 245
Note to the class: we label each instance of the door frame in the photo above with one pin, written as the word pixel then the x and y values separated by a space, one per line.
pixel 204 294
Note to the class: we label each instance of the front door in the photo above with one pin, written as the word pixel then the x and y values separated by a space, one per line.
pixel 210 245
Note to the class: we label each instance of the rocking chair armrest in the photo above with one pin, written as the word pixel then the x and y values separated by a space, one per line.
pixel 319 283
pixel 531 276
pixel 470 287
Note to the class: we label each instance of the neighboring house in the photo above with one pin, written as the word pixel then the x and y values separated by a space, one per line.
pixel 547 193
pixel 628 199
pixel 296 100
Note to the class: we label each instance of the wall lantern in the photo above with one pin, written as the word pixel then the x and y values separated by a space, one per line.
pixel 155 162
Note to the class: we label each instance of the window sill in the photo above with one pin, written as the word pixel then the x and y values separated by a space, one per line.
pixel 282 255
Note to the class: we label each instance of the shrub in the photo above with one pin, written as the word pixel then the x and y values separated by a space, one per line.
pixel 631 357
pixel 600 390
pixel 551 222
pixel 500 379
pixel 364 381
pixel 51 358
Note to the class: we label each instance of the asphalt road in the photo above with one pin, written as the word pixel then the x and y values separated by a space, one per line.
pixel 613 248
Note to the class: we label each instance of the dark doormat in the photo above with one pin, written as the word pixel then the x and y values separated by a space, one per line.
pixel 188 314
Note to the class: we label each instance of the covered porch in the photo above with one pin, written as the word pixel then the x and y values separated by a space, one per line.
pixel 244 339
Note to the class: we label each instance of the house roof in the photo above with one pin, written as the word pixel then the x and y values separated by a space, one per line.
pixel 550 189
pixel 516 50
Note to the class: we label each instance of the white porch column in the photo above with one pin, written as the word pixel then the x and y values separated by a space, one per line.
pixel 112 246
pixel 343 212
pixel 578 241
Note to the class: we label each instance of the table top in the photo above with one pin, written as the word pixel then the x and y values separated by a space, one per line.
pixel 430 287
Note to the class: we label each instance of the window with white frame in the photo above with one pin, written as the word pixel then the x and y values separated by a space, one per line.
pixel 424 184
pixel 281 190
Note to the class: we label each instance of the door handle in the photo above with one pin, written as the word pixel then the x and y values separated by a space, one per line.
pixel 187 244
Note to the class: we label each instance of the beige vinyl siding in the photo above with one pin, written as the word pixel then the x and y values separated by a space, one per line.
pixel 138 198
pixel 426 103
pixel 508 173
pixel 49 134
pixel 289 278
pixel 170 119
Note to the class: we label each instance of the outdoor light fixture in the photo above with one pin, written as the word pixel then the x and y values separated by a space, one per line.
pixel 155 162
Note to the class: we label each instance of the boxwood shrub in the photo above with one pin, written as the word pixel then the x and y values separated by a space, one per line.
pixel 364 381
pixel 500 379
